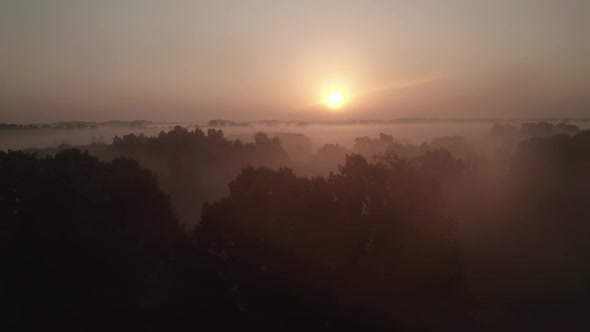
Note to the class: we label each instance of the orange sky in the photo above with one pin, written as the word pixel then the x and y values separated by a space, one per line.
pixel 244 60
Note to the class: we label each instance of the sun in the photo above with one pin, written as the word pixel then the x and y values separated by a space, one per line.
pixel 335 99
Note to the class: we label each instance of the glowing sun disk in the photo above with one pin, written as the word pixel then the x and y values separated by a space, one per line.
pixel 335 99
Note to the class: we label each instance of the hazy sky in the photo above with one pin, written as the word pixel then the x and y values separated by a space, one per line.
pixel 243 60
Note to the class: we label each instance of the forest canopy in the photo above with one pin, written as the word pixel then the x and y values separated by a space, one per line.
pixel 193 229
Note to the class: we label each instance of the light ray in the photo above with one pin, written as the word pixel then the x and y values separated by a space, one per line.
pixel 394 85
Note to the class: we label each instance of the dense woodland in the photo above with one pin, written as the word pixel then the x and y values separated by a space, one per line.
pixel 192 230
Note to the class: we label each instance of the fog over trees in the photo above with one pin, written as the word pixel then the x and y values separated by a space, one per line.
pixel 234 165
pixel 191 229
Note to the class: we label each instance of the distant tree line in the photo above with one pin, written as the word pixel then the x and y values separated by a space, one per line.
pixel 76 125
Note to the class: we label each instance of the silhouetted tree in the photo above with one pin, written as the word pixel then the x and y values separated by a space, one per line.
pixel 85 244
pixel 371 239
pixel 194 167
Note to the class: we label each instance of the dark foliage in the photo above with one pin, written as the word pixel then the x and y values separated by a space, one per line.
pixel 83 242
pixel 400 238
pixel 91 245
pixel 372 239
pixel 194 167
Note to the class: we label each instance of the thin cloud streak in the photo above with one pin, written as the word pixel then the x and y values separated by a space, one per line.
pixel 396 85
pixel 391 86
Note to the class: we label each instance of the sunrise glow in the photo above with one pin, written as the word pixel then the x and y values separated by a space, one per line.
pixel 335 99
